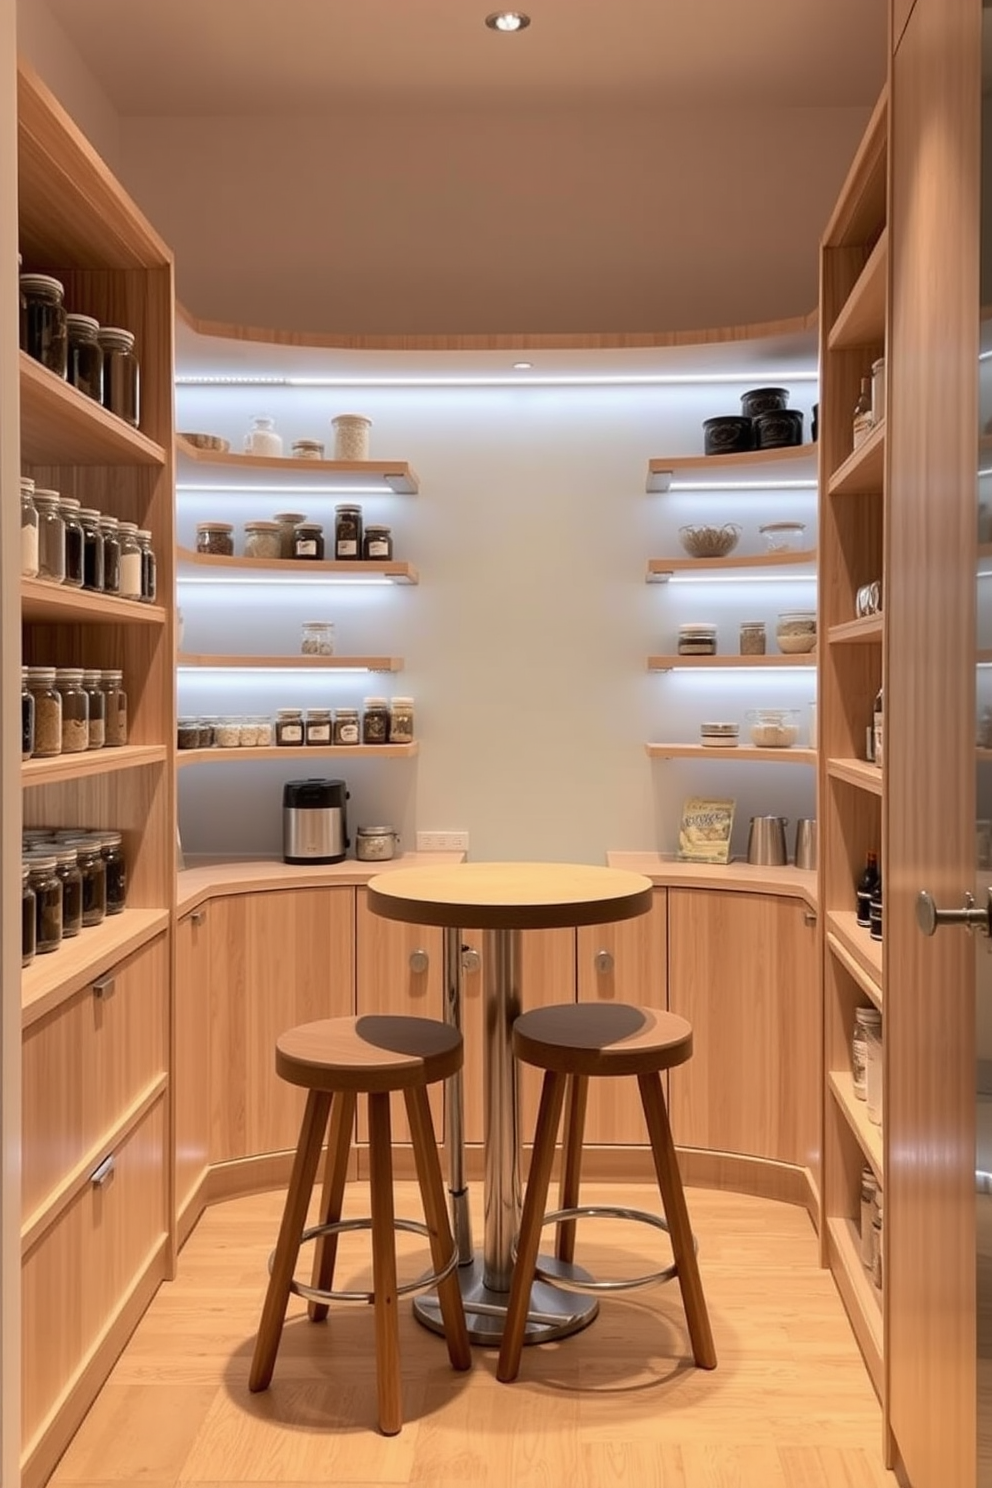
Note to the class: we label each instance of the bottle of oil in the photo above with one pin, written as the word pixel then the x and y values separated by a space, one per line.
pixel 862 413
pixel 864 887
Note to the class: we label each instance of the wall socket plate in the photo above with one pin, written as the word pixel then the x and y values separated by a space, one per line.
pixel 442 842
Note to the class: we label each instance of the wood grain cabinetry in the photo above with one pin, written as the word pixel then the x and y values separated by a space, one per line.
pixel 191 1065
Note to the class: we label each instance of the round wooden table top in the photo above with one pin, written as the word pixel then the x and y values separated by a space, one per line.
pixel 510 896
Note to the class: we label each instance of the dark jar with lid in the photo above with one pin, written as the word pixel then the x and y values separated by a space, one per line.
pixel 71 879
pixel 120 373
pixel 89 520
pixel 116 866
pixel 149 566
pixel 48 903
pixel 110 531
pixel 377 544
pixel 27 717
pixel 84 360
pixel 43 321
pixel 375 721
pixel 29 928
pixel 347 531
pixel 308 540
pixel 89 855
pixel 69 510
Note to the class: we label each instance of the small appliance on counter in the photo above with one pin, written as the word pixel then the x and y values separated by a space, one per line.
pixel 314 821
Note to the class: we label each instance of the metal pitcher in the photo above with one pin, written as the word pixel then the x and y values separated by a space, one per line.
pixel 766 841
pixel 806 842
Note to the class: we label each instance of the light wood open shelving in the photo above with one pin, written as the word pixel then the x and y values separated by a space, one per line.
pixel 855 1113
pixel 60 425
pixel 861 473
pixel 856 970
pixel 862 1298
pixel 340 752
pixel 793 756
pixel 862 320
pixel 45 602
pixel 866 630
pixel 717 663
pixel 192 661
pixel 860 773
pixel 330 570
pixel 69 767
pixel 51 979
pixel 660 570
pixel 746 465
pixel 267 471
pixel 856 941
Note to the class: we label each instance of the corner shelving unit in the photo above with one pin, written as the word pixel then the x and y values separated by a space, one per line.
pixel 853 317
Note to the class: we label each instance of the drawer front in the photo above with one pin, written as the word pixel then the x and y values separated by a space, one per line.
pixel 87 1062
pixel 83 1266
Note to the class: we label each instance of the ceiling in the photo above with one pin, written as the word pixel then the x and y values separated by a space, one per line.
pixel 235 57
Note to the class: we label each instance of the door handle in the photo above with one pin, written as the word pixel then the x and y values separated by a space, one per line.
pixel 471 959
pixel 929 918
pixel 603 962
pixel 419 962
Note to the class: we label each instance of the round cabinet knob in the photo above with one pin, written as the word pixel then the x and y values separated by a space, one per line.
pixel 603 962
pixel 419 962
pixel 471 960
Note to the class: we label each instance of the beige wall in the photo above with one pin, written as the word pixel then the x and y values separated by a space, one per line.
pixel 46 46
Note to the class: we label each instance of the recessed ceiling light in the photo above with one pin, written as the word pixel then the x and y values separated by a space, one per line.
pixel 522 366
pixel 507 20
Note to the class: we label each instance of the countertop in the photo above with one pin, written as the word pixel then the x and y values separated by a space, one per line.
pixel 738 876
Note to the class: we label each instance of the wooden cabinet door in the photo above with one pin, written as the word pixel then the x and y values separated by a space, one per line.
pixel 742 969
pixel 626 962
pixel 191 1068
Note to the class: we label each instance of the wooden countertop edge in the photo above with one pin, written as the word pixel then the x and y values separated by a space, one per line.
pixel 204 881
pixel 738 877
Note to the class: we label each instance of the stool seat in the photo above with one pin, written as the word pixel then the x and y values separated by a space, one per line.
pixel 368 1055
pixel 602 1038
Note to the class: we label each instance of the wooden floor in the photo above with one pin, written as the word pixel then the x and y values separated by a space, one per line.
pixel 790 1405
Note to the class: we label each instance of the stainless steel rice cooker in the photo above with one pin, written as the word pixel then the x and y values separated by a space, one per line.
pixel 314 821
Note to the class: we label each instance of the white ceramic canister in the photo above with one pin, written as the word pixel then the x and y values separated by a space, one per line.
pixel 351 436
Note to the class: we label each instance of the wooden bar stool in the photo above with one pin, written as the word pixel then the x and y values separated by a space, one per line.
pixel 336 1060
pixel 572 1042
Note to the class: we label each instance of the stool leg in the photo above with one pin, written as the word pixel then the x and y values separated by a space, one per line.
pixel 387 1336
pixel 542 1159
pixel 680 1230
pixel 332 1197
pixel 571 1163
pixel 432 1192
pixel 294 1218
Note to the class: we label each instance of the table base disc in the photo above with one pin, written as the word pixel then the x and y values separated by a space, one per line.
pixel 554 1312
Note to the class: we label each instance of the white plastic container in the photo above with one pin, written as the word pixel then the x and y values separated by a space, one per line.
pixel 351 436
pixel 262 438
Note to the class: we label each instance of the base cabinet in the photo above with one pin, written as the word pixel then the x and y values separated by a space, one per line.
pixel 191 1076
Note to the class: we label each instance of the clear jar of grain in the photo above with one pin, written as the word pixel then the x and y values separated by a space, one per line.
pixel 262 540
pixel 130 586
pixel 47 712
pixel 98 709
pixel 75 710
pixel 112 683
pixel 29 529
pixel 351 436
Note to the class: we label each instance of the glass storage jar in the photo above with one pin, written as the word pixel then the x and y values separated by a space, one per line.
pixel 207 727
pixel 289 727
pixel 29 928
pixel 84 359
pixel 27 717
pixel 318 638
pixel 287 522
pixel 68 873
pixel 112 851
pixel 51 536
pixel 75 710
pixel 227 732
pixel 89 520
pixel 376 844
pixel 697 640
pixel 43 321
pixel 69 511
pixel 401 720
pixel 121 391
pixel 347 729
pixel 873 1072
pixel 47 891
pixel 262 438
pixel 149 566
pixel 262 540
pixel 111 554
pixel 377 543
pixel 347 531
pixel 351 436
pixel 97 700
pixel 130 585
pixel 187 733
pixel 215 539
pixel 89 855
pixel 865 1018
pixel 308 540
pixel 795 632
pixel 318 726
pixel 47 712
pixel 869 1203
pixel 307 449
pixel 263 731
pixel 112 682
pixel 375 721
pixel 752 638
pixel 29 530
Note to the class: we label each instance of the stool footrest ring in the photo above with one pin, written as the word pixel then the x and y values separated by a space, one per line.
pixel 564 1273
pixel 343 1226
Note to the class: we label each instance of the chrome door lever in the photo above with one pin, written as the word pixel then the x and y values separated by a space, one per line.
pixel 929 918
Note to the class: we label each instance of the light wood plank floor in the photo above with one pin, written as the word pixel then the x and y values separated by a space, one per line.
pixel 790 1405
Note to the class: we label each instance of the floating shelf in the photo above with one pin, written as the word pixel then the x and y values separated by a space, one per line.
pixel 392 573
pixel 729 756
pixel 869 1136
pixel 860 773
pixel 862 320
pixel 862 1299
pixel 856 941
pixel 337 752
pixel 53 978
pixel 43 601
pixel 93 762
pixel 187 661
pixel 868 629
pixel 718 663
pixel 861 474
pixel 267 471
pixel 660 570
pixel 721 467
pixel 62 426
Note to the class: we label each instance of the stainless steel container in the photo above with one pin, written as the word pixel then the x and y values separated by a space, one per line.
pixel 766 841
pixel 376 844
pixel 314 821
pixel 805 842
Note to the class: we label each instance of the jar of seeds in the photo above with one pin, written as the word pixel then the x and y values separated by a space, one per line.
pixel 215 539
pixel 47 712
pixel 112 683
pixel 375 721
pixel 75 710
pixel 27 717
pixel 347 729
pixel 753 638
pixel 401 720
pixel 287 522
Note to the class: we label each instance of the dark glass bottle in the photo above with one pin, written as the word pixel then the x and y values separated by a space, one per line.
pixel 875 912
pixel 864 887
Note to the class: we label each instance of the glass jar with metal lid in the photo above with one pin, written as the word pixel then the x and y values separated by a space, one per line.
pixel 347 531
pixel 377 543
pixel 376 844
pixel 69 511
pixel 130 584
pixel 697 640
pixel 75 710
pixel 29 927
pixel 401 720
pixel 317 638
pixel 262 540
pixel 112 682
pixel 149 566
pixel 47 712
pixel 29 530
pixel 375 721
pixel 866 1020
pixel 112 850
pixel 287 522
pixel 51 535
pixel 215 539
pixel 289 727
pixel 89 855
pixel 308 540
pixel 753 638
pixel 111 554
pixel 84 361
pixel 318 726
pixel 27 717
pixel 307 449
pixel 47 890
pixel 69 876
pixel 97 699
pixel 89 520
pixel 121 391
pixel 43 321
pixel 347 729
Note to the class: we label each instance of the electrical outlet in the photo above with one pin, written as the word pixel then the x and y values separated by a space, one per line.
pixel 442 842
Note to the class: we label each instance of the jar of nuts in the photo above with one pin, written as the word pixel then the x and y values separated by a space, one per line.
pixel 215 539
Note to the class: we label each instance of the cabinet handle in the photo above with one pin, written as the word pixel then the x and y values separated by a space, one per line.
pixel 104 988
pixel 471 960
pixel 809 917
pixel 198 917
pixel 103 1174
pixel 419 962
pixel 603 962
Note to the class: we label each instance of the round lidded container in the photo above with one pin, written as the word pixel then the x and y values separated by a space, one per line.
pixel 109 529
pixel 317 638
pixel 719 735
pixel 795 632
pixel 376 844
pixel 43 321
pixel 115 728
pixel 774 728
pixel 75 710
pixel 287 522
pixel 149 566
pixel 375 721
pixel 318 726
pixel 120 373
pixel 51 535
pixel 697 640
pixel 865 1019
pixel 47 890
pixel 130 581
pixel 262 540
pixel 215 539
pixel 187 733
pixel 752 638
pixel 47 712
pixel 69 511
pixel 289 727
pixel 347 531
pixel 113 856
pixel 347 729
pixel 89 854
pixel 89 520
pixel 307 449
pixel 401 720
pixel 764 400
pixel 97 700
pixel 29 927
pixel 351 436
pixel 783 537
pixel 84 361
pixel 68 873
pixel 377 543
pixel 308 541
pixel 262 438
pixel 29 530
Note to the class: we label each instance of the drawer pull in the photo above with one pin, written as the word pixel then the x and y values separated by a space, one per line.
pixel 809 917
pixel 471 960
pixel 198 917
pixel 104 987
pixel 603 962
pixel 419 962
pixel 102 1175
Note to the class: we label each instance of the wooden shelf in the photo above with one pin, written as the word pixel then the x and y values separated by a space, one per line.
pixel 393 573
pixel 93 762
pixel 62 426
pixel 747 464
pixel 862 320
pixel 861 474
pixel 855 970
pixel 52 978
pixel 43 601
pixel 855 1113
pixel 718 663
pixel 660 570
pixel 191 661
pixel 860 773
pixel 265 471
pixel 337 752
pixel 862 1298
pixel 855 939
pixel 792 756
pixel 868 630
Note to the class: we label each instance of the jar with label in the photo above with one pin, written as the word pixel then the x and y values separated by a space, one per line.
pixel 130 584
pixel 262 540
pixel 51 536
pixel 47 712
pixel 149 566
pixel 318 726
pixel 84 360
pixel 43 327
pixel 287 522
pixel 318 638
pixel 375 721
pixel 864 1019
pixel 215 539
pixel 29 928
pixel 29 530
pixel 112 683
pixel 869 1188
pixel 347 531
pixel 97 700
pixel 75 710
pixel 377 543
pixel 401 720
pixel 873 1072
pixel 347 729
pixel 68 873
pixel 262 438
pixel 112 851
pixel 47 902
pixel 69 512
pixel 308 540
pixel 351 436
pixel 121 391
pixel 753 638
pixel 289 727
pixel 89 520
pixel 27 717
pixel 111 554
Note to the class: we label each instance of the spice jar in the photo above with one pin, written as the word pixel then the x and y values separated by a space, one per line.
pixel 262 438
pixel 351 436
pixel 112 851
pixel 68 873
pixel 116 706
pixel 97 703
pixel 149 566
pixel 47 712
pixel 29 928
pixel 89 520
pixel 865 1018
pixel 111 554
pixel 89 855
pixel 287 523
pixel 289 727
pixel 47 902
pixel 75 710
pixel 318 726
pixel 375 721
pixel 377 543
pixel 215 538
pixel 84 358
pixel 130 586
pixel 318 638
pixel 29 530
pixel 187 733
pixel 347 729
pixel 869 1189
pixel 120 373
pixel 376 844
pixel 51 536
pixel 697 640
pixel 347 531
pixel 43 328
pixel 401 720
pixel 69 512
pixel 308 540
pixel 752 641
pixel 307 449
pixel 262 540
pixel 27 717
